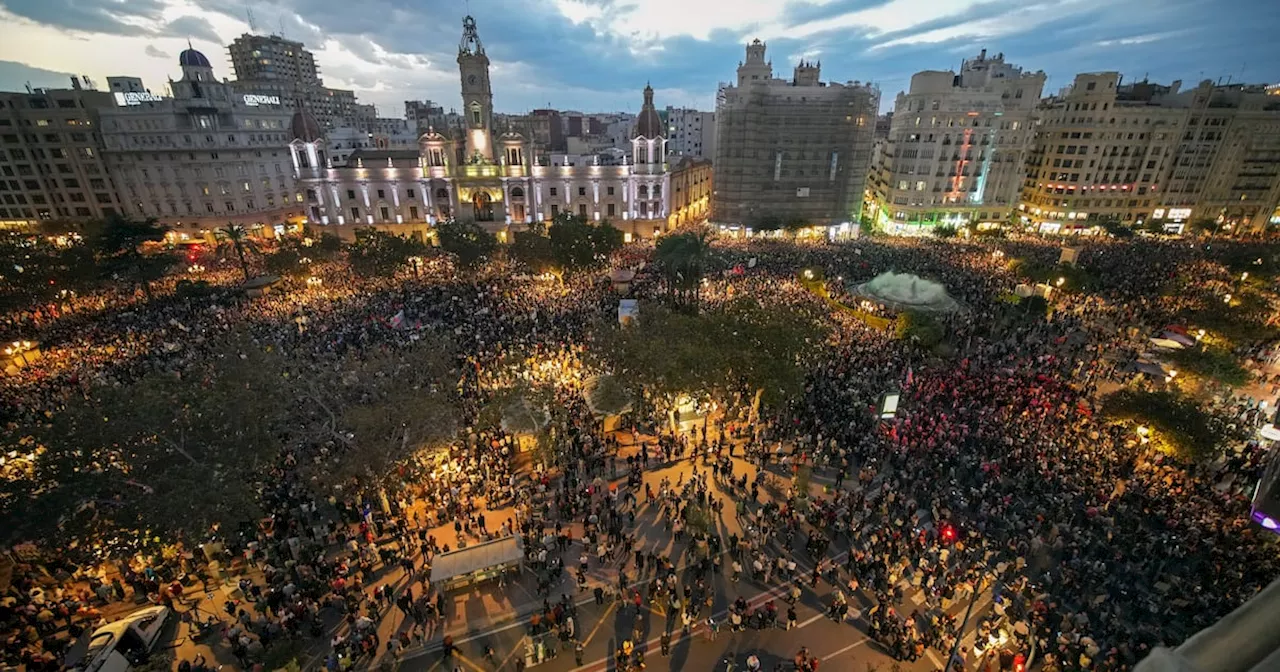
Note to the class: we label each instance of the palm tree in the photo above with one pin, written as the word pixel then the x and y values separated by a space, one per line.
pixel 237 238
pixel 684 258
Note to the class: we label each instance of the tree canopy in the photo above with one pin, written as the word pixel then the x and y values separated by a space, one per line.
pixel 1175 423
pixel 119 249
pixel 378 253
pixel 684 259
pixel 466 240
pixel 570 244
pixel 167 453
pixel 1211 362
pixel 743 346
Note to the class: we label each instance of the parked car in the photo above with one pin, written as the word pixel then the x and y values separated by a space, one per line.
pixel 119 646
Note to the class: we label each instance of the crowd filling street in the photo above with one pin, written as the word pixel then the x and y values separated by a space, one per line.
pixel 999 483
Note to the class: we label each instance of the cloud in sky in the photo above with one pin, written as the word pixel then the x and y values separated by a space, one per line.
pixel 598 54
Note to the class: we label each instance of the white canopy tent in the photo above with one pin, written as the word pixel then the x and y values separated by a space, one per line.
pixel 506 551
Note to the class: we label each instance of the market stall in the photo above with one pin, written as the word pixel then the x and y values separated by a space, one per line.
pixel 476 564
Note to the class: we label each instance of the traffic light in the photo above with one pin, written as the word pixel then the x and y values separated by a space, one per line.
pixel 948 533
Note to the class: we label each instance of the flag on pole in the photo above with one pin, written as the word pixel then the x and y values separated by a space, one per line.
pixel 397 320
pixel 910 377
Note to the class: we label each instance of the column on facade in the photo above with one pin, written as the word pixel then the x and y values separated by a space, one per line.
pixel 666 195
pixel 506 195
pixel 337 202
pixel 312 159
pixel 530 189
pixel 427 201
pixel 537 196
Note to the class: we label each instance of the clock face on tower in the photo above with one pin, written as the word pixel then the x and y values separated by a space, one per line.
pixel 471 79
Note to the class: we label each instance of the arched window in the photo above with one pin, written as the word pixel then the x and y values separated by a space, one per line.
pixel 517 193
pixel 442 194
pixel 644 191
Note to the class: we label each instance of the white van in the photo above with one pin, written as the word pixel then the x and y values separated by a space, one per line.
pixel 118 646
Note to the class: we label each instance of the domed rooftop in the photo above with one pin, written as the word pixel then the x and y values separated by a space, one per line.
pixel 649 124
pixel 305 127
pixel 192 58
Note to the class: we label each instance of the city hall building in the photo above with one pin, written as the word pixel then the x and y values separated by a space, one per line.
pixel 466 172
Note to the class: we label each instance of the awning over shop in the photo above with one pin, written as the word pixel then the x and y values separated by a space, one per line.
pixel 481 556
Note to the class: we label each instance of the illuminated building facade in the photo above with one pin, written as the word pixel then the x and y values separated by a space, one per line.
pixel 471 172
pixel 1143 152
pixel 207 157
pixel 956 147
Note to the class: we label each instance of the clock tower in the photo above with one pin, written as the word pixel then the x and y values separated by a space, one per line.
pixel 477 96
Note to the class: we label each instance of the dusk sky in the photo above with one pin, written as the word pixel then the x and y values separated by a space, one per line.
pixel 596 55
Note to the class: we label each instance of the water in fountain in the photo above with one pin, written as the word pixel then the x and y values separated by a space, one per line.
pixel 903 291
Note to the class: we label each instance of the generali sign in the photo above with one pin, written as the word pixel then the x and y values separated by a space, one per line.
pixel 254 100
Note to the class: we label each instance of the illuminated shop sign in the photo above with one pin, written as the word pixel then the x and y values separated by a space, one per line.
pixel 254 100
pixel 126 98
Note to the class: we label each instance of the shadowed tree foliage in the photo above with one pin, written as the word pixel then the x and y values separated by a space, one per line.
pixel 742 347
pixel 170 454
pixel 235 239
pixel 466 240
pixel 1211 362
pixel 1178 425
pixel 684 259
pixel 119 245
pixel 378 253
pixel 373 411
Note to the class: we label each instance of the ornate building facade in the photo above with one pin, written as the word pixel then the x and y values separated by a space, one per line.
pixel 496 179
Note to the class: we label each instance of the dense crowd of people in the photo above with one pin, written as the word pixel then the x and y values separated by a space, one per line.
pixel 998 476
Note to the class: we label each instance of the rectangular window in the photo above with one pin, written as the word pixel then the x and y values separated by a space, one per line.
pixel 610 191
pixel 582 209
pixel 386 214
pixel 382 194
pixel 231 207
pixel 409 194
pixel 355 214
pixel 582 191
pixel 351 195
pixel 413 211
pixel 553 191
pixel 555 210
pixel 609 209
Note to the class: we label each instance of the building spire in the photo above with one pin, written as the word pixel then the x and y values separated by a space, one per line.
pixel 470 43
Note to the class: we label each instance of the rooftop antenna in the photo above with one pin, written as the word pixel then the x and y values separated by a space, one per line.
pixel 282 27
pixel 253 25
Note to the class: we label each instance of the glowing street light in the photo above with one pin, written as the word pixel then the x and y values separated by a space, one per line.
pixel 1061 281
pixel 313 281
pixel 1244 275
pixel 1226 299
pixel 195 269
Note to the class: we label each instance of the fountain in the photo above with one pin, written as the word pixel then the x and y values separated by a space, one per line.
pixel 904 291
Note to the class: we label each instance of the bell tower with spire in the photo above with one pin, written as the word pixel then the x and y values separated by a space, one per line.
pixel 477 96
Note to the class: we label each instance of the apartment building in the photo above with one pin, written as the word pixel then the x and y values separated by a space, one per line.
pixel 797 148
pixel 51 162
pixel 956 147
pixel 691 133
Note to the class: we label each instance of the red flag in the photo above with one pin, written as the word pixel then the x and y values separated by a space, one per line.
pixel 910 377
